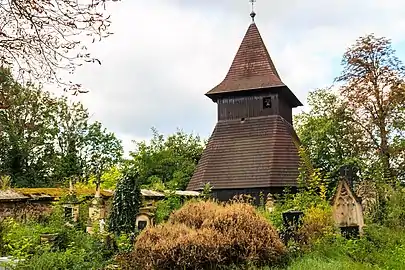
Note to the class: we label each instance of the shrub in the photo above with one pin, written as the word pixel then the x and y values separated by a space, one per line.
pixel 205 235
pixel 21 240
pixel 79 250
pixel 175 247
pixel 165 207
pixel 395 208
pixel 317 223
pixel 193 214
pixel 299 201
pixel 251 237
pixel 379 248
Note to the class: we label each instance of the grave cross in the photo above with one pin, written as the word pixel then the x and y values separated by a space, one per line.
pixel 348 172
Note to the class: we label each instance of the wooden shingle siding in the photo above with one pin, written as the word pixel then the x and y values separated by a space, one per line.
pixel 259 152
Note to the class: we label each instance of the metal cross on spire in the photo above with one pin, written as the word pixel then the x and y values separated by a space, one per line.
pixel 253 13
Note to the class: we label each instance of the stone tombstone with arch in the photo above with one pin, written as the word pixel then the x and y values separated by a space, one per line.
pixel 347 210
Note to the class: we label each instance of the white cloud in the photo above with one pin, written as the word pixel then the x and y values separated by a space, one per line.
pixel 165 55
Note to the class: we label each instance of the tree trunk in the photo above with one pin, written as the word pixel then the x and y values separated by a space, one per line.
pixel 385 156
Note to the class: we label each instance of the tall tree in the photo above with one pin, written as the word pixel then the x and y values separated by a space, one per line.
pixel 72 122
pixel 41 37
pixel 167 162
pixel 328 135
pixel 47 140
pixel 26 132
pixel 374 89
pixel 101 152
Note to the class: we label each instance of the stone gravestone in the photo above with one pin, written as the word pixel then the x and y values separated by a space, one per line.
pixel 347 210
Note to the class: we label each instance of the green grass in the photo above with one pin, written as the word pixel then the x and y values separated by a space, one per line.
pixel 379 248
pixel 323 264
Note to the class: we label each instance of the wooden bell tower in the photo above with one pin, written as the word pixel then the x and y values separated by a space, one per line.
pixel 253 148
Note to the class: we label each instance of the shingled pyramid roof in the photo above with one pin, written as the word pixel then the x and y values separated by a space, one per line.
pixel 257 152
pixel 252 67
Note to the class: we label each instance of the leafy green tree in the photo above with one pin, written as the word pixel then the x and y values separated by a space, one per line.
pixel 373 87
pixel 327 134
pixel 109 179
pixel 47 140
pixel 167 162
pixel 102 151
pixel 126 203
pixel 26 132
pixel 71 119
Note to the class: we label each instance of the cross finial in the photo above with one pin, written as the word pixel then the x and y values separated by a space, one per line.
pixel 253 13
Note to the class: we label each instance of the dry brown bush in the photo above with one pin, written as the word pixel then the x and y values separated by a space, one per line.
pixel 193 214
pixel 205 235
pixel 251 236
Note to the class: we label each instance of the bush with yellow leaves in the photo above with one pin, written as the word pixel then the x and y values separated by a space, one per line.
pixel 206 235
pixel 317 223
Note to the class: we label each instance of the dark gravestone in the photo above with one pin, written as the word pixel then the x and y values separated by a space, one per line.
pixel 349 173
pixel 291 220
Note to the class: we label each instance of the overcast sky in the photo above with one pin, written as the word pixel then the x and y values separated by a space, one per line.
pixel 166 54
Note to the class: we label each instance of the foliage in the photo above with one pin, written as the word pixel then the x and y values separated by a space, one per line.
pixel 300 201
pixel 108 181
pixel 110 178
pixel 82 251
pixel 165 207
pixel 124 243
pixel 73 249
pixel 71 258
pixel 46 140
pixel 233 233
pixel 310 178
pixel 388 210
pixel 379 248
pixel 206 193
pixel 22 239
pixel 317 224
pixel 369 101
pixel 126 203
pixel 5 182
pixel 374 90
pixel 328 138
pixel 41 38
pixel 103 150
pixel 193 214
pixel 167 162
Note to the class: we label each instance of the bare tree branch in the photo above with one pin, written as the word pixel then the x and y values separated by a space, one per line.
pixel 38 38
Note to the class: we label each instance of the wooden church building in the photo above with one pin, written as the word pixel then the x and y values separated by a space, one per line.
pixel 253 147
